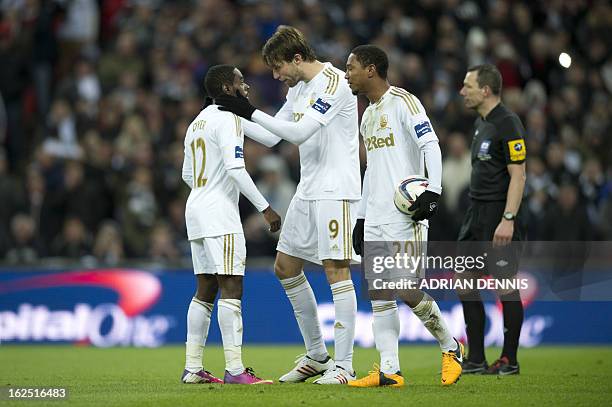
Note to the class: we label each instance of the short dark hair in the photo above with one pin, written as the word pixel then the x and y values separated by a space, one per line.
pixel 216 77
pixel 284 44
pixel 488 75
pixel 372 55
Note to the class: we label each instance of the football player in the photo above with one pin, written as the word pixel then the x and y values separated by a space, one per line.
pixel 320 116
pixel 214 169
pixel 400 141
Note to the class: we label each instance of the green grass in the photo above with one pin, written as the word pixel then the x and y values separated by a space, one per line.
pixel 150 377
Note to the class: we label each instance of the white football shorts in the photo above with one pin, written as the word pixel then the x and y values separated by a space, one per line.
pixel 319 230
pixel 222 255
pixel 403 239
pixel 396 232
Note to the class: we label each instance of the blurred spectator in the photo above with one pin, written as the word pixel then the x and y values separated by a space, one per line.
pixel 456 170
pixel 123 59
pixel 62 142
pixel 275 184
pixel 595 190
pixel 83 87
pixel 162 244
pixel 13 82
pixel 12 198
pixel 78 32
pixel 567 220
pixel 138 212
pixel 108 245
pixel 74 242
pixel 44 50
pixel 24 249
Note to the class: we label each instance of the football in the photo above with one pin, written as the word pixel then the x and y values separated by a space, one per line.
pixel 408 191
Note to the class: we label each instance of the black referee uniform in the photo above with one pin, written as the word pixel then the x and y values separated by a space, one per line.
pixel 498 140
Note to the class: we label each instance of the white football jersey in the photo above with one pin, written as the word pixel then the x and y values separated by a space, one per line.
pixel 329 160
pixel 393 130
pixel 213 145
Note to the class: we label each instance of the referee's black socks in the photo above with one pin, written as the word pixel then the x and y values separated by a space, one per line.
pixel 513 321
pixel 474 315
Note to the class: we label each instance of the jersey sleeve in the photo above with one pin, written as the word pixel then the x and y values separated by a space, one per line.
pixel 512 136
pixel 331 100
pixel 286 111
pixel 415 120
pixel 187 171
pixel 230 138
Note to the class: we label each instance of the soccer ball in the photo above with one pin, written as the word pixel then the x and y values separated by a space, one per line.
pixel 408 191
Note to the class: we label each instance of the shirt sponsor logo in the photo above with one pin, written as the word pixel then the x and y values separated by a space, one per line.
pixel 374 142
pixel 483 152
pixel 517 150
pixel 238 152
pixel 422 129
pixel 321 106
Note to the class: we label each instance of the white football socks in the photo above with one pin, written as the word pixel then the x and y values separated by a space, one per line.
pixel 386 328
pixel 304 306
pixel 428 311
pixel 198 322
pixel 230 322
pixel 345 304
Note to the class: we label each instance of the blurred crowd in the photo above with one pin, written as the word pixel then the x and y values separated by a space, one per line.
pixel 96 97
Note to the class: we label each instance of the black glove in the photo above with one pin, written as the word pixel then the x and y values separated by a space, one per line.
pixel 425 206
pixel 207 102
pixel 358 236
pixel 238 105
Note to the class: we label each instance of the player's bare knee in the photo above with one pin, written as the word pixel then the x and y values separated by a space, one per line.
pixel 282 271
pixel 411 297
pixel 231 287
pixel 382 295
pixel 337 270
pixel 207 288
pixel 287 267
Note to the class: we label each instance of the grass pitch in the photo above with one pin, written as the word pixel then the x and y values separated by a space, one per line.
pixel 150 377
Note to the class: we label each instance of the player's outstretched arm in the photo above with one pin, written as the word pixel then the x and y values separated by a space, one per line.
pixel 257 133
pixel 295 133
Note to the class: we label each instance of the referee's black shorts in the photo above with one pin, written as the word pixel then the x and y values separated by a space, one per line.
pixel 476 236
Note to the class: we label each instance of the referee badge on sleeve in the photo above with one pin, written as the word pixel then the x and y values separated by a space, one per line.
pixel 517 150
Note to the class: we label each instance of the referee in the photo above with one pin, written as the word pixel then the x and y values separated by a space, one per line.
pixel 496 190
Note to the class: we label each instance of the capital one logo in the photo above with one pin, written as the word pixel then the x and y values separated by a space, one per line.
pixel 106 324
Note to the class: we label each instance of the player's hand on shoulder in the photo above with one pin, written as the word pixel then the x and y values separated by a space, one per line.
pixel 239 105
pixel 425 206
pixel 358 236
pixel 273 219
